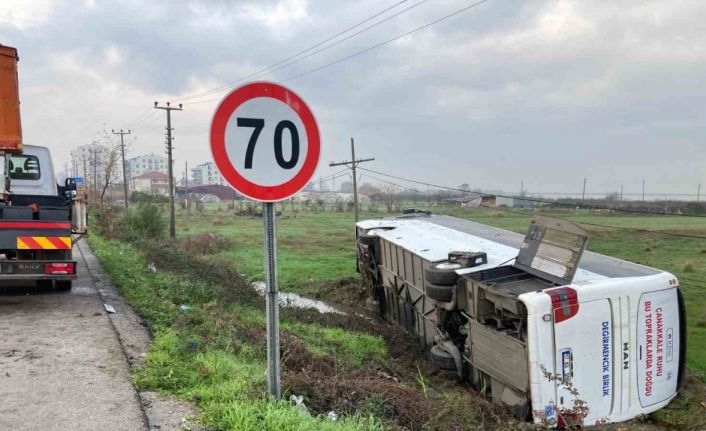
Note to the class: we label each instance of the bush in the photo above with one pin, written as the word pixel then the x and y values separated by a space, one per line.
pixel 141 197
pixel 204 243
pixel 146 221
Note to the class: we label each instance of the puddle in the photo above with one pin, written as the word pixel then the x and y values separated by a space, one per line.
pixel 288 299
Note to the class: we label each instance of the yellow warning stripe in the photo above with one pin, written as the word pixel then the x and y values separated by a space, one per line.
pixel 44 242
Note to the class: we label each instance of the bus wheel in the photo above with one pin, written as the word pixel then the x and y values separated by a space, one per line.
pixel 442 358
pixel 439 292
pixel 442 272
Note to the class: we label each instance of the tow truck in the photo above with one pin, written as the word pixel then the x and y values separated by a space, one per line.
pixel 39 219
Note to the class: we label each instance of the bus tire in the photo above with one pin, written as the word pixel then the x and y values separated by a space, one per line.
pixel 440 292
pixel 442 358
pixel 368 239
pixel 442 272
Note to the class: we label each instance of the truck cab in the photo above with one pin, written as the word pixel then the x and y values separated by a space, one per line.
pixel 35 223
pixel 35 214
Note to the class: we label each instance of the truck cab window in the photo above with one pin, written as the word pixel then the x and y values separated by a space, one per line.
pixel 24 167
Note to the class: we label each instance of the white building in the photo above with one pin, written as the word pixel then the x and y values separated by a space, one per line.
pixel 207 173
pixel 140 165
pixel 91 159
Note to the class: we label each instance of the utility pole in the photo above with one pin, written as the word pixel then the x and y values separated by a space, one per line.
pixel 352 164
pixel 122 152
pixel 643 190
pixel 85 172
pixel 186 185
pixel 583 194
pixel 170 167
pixel 698 193
pixel 95 171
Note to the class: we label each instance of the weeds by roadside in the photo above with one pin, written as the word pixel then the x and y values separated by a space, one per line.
pixel 214 353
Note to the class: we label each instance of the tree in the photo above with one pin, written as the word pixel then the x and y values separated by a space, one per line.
pixel 390 196
pixel 110 171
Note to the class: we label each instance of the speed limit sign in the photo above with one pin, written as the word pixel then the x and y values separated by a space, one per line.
pixel 265 141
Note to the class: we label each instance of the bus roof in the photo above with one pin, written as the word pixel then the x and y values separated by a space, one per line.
pixel 418 233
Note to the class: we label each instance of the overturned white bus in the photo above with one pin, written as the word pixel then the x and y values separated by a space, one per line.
pixel 555 334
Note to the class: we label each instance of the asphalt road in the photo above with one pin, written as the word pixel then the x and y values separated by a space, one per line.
pixel 65 362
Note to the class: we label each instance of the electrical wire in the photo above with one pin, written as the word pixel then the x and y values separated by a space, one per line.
pixel 529 199
pixel 146 119
pixel 138 118
pixel 279 65
pixel 373 47
pixel 648 231
pixel 378 45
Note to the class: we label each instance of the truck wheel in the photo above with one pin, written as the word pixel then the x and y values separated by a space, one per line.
pixel 442 358
pixel 440 292
pixel 63 285
pixel 442 272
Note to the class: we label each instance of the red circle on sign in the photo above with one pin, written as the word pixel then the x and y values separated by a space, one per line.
pixel 218 143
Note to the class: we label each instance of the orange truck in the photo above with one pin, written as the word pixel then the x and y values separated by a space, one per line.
pixel 10 126
pixel 38 217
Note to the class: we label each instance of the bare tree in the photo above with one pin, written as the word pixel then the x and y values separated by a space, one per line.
pixel 390 196
pixel 110 171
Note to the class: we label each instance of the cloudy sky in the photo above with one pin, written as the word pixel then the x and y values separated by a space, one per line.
pixel 549 92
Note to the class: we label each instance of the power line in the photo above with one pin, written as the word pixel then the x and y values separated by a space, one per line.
pixel 279 65
pixel 632 229
pixel 139 117
pixel 656 232
pixel 567 204
pixel 378 45
pixel 151 116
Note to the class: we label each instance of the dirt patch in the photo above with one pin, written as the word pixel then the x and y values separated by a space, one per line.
pixel 9 353
pixel 409 392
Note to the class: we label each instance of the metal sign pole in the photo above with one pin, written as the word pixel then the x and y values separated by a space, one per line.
pixel 272 305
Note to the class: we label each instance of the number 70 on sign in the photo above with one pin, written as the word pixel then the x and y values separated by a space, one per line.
pixel 265 141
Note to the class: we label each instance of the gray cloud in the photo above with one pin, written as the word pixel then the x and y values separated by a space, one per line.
pixel 548 92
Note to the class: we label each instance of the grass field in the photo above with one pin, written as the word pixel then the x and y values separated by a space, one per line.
pixel 318 247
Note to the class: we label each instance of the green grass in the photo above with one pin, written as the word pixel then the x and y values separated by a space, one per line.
pixel 204 355
pixel 320 247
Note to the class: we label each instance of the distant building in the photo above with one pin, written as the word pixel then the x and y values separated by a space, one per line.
pixel 346 187
pixel 491 200
pixel 207 174
pixel 151 182
pixel 93 158
pixel 140 165
pixel 224 193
